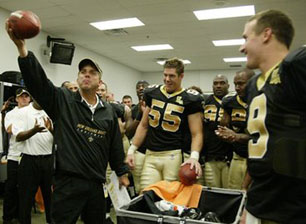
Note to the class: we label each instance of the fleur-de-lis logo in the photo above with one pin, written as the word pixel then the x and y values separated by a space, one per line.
pixel 90 139
pixel 179 100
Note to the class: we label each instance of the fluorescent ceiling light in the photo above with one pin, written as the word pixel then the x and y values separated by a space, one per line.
pixel 118 23
pixel 239 59
pixel 232 42
pixel 162 62
pixel 229 12
pixel 156 47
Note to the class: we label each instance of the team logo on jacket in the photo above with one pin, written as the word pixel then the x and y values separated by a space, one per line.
pixel 91 133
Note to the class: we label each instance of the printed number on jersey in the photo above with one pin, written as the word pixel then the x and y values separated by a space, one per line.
pixel 193 92
pixel 170 121
pixel 211 113
pixel 256 126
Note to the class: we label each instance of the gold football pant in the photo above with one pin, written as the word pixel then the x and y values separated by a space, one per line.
pixel 159 166
pixel 237 172
pixel 136 172
pixel 126 145
pixel 216 174
pixel 250 219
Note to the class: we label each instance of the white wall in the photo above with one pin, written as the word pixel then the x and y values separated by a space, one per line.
pixel 202 79
pixel 120 79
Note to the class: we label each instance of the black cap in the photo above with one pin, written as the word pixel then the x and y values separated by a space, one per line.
pixel 21 91
pixel 88 61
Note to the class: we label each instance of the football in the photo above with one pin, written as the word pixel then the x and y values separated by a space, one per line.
pixel 187 176
pixel 25 24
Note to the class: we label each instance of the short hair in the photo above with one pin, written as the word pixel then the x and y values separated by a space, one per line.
pixel 65 83
pixel 175 63
pixel 144 82
pixel 249 73
pixel 222 77
pixel 104 83
pixel 126 97
pixel 278 21
pixel 196 88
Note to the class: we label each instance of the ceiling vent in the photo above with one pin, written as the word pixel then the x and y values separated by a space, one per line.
pixel 116 32
pixel 235 66
pixel 161 59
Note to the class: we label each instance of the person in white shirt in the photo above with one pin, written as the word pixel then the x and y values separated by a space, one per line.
pixel 10 202
pixel 34 131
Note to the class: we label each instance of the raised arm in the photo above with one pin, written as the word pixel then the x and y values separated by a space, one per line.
pixel 36 81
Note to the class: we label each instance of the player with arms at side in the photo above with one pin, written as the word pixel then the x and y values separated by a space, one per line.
pixel 217 153
pixel 169 108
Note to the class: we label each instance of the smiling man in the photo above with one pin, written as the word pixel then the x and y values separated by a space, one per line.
pixel 86 138
pixel 276 121
pixel 170 110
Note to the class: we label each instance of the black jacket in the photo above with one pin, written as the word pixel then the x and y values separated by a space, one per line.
pixel 84 142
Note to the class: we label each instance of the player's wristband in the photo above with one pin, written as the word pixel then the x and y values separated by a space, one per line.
pixel 195 155
pixel 132 149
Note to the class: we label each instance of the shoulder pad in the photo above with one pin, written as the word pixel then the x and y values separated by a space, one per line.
pixel 296 55
pixel 194 95
pixel 151 88
pixel 228 98
pixel 229 95
pixel 192 92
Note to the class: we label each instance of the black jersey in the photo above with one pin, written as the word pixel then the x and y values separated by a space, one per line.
pixel 168 117
pixel 214 148
pixel 236 108
pixel 136 115
pixel 277 111
pixel 119 110
pixel 135 111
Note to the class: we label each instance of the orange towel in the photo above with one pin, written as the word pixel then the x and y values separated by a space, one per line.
pixel 177 193
pixel 39 200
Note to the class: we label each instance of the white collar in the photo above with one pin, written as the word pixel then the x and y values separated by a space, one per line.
pixel 93 107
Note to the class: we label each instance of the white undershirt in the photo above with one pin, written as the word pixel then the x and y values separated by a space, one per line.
pixel 10 119
pixel 38 144
pixel 93 107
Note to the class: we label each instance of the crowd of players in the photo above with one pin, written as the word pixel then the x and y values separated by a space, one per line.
pixel 253 139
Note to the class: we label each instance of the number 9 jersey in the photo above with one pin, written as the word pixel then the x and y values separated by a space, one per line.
pixel 168 117
pixel 277 149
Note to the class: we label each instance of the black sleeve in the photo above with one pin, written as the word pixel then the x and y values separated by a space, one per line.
pixel 39 86
pixel 119 110
pixel 135 111
pixel 293 74
pixel 147 98
pixel 226 104
pixel 195 105
pixel 116 158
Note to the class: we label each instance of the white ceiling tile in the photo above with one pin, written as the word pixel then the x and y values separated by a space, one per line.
pixel 166 21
